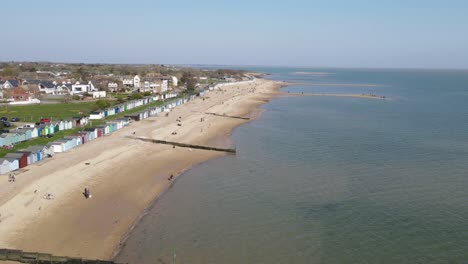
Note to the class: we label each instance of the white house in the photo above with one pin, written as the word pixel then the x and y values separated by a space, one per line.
pixel 78 88
pixel 112 86
pixel 99 94
pixel 8 84
pixel 135 82
pixel 175 81
pixel 164 86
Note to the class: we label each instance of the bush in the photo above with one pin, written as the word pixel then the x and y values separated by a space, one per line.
pixel 136 96
pixel 101 103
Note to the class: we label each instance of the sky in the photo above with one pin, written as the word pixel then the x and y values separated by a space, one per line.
pixel 304 33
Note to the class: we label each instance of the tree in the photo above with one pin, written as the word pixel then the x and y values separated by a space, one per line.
pixel 189 80
pixel 101 103
pixel 136 96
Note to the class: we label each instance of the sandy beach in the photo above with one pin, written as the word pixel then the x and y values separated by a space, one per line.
pixel 124 175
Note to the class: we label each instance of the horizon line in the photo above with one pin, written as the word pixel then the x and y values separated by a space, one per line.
pixel 244 65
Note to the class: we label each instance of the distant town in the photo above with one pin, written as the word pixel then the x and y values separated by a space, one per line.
pixel 34 82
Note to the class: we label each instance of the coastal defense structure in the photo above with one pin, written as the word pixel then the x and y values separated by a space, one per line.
pixel 42 258
pixel 183 145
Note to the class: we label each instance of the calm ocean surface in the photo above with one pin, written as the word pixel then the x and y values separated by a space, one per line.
pixel 328 180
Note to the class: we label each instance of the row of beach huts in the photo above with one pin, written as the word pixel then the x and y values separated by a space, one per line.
pixel 31 155
pixel 33 131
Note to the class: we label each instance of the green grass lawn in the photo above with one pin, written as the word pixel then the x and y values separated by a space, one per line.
pixel 33 113
pixel 70 113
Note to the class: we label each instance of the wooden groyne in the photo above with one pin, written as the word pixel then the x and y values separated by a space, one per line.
pixel 43 258
pixel 237 117
pixel 183 145
pixel 366 96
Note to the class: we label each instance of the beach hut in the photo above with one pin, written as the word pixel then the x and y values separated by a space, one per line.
pixel 56 146
pixel 5 166
pixel 21 157
pixel 135 117
pixel 51 127
pixel 14 163
pixel 111 111
pixel 85 136
pixel 21 136
pixel 97 115
pixel 27 133
pixel 48 151
pixel 5 140
pixel 39 151
pixel 34 131
pixel 44 130
pixel 68 143
pixel 76 139
pixel 80 121
pixel 94 131
pixel 61 125
pixel 14 137
pixel 32 157
pixel 104 129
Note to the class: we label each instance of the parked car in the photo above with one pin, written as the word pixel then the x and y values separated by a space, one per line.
pixel 3 118
pixel 15 119
pixel 6 124
pixel 45 120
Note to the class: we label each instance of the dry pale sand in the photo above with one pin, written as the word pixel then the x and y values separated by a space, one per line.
pixel 124 175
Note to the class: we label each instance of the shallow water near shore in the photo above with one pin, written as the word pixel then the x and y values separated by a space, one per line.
pixel 328 180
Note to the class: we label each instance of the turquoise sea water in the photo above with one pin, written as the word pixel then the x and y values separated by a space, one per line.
pixel 328 180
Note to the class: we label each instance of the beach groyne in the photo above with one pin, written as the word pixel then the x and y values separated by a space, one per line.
pixel 43 258
pixel 229 116
pixel 184 145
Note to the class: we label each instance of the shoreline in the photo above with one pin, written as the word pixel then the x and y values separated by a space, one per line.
pixel 362 96
pixel 98 228
pixel 254 112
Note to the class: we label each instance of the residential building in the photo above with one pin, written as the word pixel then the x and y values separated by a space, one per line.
pixel 79 88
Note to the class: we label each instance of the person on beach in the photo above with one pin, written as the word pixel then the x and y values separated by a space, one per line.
pixel 86 193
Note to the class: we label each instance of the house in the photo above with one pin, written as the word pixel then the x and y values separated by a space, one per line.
pixel 17 94
pixel 47 87
pixel 132 82
pixel 112 86
pixel 8 84
pixel 79 88
pixel 99 94
pixel 175 81
pixel 21 157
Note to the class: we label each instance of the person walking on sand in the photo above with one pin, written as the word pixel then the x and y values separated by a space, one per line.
pixel 86 193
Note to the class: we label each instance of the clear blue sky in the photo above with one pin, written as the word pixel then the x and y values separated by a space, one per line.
pixel 331 33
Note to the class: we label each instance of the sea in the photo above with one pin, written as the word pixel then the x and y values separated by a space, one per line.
pixel 327 179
